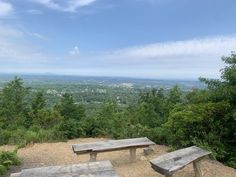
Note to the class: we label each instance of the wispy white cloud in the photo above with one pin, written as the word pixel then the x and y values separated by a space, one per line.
pixel 186 59
pixel 177 59
pixel 34 12
pixel 219 45
pixel 14 47
pixel 39 36
pixel 75 51
pixel 6 9
pixel 68 6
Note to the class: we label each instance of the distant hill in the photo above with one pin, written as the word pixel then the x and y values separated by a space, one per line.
pixel 103 81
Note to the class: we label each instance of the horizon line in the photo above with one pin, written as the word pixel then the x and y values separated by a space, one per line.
pixel 96 76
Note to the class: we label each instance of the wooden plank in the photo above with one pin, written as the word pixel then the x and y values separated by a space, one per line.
pixel 169 163
pixel 123 144
pixel 112 145
pixel 95 169
pixel 15 175
pixel 86 147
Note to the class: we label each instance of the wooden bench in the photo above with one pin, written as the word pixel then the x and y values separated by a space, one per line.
pixel 169 163
pixel 112 145
pixel 95 169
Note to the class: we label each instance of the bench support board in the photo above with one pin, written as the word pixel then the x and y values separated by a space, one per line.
pixel 168 175
pixel 132 154
pixel 93 156
pixel 197 169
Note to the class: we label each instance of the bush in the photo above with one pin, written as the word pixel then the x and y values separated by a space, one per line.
pixel 202 124
pixel 3 170
pixel 32 137
pixel 8 159
pixel 4 136
pixel 17 136
pixel 50 135
pixel 22 136
pixel 158 135
pixel 71 129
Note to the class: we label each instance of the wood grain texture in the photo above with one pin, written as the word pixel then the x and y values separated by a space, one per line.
pixel 169 163
pixel 112 145
pixel 15 175
pixel 94 169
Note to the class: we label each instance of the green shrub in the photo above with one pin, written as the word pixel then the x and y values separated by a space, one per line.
pixel 50 135
pixel 9 156
pixel 8 159
pixel 3 170
pixel 158 135
pixel 17 136
pixel 31 137
pixel 71 129
pixel 4 136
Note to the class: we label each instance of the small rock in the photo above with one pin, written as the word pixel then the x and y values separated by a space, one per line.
pixel 143 158
pixel 148 151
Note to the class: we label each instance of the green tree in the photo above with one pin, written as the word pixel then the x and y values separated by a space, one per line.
pixel 208 118
pixel 38 102
pixel 152 108
pixel 105 118
pixel 46 119
pixel 174 98
pixel 13 102
pixel 69 109
pixel 73 115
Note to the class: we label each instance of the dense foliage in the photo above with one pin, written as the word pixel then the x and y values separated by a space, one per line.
pixel 8 159
pixel 203 117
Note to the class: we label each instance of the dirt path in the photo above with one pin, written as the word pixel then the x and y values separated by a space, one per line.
pixel 47 154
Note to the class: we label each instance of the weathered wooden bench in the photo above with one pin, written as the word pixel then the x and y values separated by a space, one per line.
pixel 169 163
pixel 94 169
pixel 112 145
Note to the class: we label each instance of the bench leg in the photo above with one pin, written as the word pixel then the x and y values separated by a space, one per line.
pixel 93 157
pixel 197 169
pixel 169 175
pixel 132 154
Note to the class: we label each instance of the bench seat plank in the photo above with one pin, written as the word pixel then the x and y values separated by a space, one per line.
pixel 112 145
pixel 95 169
pixel 169 163
pixel 123 144
pixel 86 147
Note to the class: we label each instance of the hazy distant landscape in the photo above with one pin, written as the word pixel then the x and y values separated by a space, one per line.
pixel 36 80
pixel 96 90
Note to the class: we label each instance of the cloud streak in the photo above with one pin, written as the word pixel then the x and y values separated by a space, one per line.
pixel 195 48
pixel 177 59
pixel 34 12
pixel 69 6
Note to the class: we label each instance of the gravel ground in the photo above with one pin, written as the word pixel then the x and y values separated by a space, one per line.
pixel 47 154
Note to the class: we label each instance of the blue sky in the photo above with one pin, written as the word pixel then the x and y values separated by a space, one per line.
pixel 170 39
